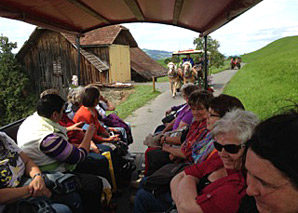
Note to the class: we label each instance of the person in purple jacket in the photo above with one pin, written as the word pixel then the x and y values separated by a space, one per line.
pixel 183 112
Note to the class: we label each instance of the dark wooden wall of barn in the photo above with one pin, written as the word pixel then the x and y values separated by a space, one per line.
pixel 52 60
pixel 101 52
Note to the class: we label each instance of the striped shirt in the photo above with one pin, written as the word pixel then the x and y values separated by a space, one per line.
pixel 61 150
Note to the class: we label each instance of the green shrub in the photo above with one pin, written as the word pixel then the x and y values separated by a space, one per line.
pixel 15 102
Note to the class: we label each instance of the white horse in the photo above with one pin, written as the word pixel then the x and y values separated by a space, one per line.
pixel 189 74
pixel 174 78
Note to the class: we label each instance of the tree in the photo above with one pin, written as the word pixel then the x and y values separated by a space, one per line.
pixel 15 103
pixel 216 58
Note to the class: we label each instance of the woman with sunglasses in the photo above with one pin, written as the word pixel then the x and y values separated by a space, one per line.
pixel 217 184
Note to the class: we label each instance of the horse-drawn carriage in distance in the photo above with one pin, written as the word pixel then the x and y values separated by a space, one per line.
pixel 187 70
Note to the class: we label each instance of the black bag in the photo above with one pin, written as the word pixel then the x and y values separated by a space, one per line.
pixel 30 205
pixel 61 183
pixel 169 118
pixel 159 181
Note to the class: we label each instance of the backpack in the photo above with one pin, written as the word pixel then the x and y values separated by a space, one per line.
pixel 159 181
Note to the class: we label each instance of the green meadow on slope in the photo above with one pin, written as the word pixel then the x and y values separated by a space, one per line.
pixel 269 80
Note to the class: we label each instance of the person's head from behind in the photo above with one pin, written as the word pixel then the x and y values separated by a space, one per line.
pixel 219 106
pixel 272 164
pixel 199 103
pixel 51 106
pixel 90 96
pixel 187 89
pixel 49 91
pixel 74 96
pixel 231 133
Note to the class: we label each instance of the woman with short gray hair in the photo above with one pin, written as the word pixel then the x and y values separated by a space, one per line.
pixel 239 122
pixel 204 187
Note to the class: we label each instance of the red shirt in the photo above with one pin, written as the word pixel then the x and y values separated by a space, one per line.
pixel 74 137
pixel 222 195
pixel 83 114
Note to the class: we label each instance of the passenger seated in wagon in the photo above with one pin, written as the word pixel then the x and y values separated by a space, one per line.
pixel 217 185
pixel 156 158
pixel 43 139
pixel 201 150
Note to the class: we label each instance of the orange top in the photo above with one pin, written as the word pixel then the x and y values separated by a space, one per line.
pixel 84 115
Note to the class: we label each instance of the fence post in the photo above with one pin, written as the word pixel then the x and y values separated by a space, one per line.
pixel 153 82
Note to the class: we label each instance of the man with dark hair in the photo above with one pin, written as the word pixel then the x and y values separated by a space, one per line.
pixel 46 142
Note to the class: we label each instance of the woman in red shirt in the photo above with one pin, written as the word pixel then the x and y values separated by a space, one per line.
pixel 217 184
pixel 88 114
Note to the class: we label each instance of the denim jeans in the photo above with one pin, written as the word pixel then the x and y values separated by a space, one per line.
pixel 145 201
pixel 61 208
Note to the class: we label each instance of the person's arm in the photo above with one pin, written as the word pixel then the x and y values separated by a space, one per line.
pixel 10 195
pixel 53 144
pixel 35 188
pixel 174 151
pixel 186 194
pixel 110 105
pixel 175 183
pixel 182 124
pixel 170 140
pixel 75 127
pixel 169 126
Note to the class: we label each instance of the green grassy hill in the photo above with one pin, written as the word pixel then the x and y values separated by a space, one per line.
pixel 269 80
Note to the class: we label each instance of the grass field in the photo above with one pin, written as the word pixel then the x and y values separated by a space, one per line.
pixel 269 80
pixel 142 94
pixel 226 66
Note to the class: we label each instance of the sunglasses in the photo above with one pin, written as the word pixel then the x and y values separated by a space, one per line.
pixel 230 148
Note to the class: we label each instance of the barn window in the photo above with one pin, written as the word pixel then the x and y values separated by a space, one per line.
pixel 57 67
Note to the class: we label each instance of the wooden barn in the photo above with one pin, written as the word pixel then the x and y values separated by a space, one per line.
pixel 107 55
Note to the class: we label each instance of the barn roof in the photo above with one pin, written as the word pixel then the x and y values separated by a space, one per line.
pixel 144 65
pixel 94 60
pixel 140 61
pixel 81 16
pixel 102 36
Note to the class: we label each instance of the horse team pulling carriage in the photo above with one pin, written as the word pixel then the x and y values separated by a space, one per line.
pixel 186 72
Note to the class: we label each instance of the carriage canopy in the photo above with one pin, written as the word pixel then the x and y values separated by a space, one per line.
pixel 80 16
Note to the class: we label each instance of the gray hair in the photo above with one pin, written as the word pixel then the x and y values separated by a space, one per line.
pixel 238 121
pixel 74 95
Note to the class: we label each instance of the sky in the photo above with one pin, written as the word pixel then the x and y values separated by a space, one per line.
pixel 256 28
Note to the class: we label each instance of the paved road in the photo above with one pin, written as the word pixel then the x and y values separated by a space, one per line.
pixel 145 119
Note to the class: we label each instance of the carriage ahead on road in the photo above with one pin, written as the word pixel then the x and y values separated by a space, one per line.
pixel 189 69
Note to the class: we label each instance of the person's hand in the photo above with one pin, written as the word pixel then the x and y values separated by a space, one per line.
pixel 103 99
pixel 76 127
pixel 166 147
pixel 38 188
pixel 113 129
pixel 168 111
pixel 162 139
pixel 172 157
pixel 94 148
pixel 91 130
pixel 114 138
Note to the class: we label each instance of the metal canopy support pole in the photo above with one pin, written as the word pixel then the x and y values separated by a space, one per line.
pixel 79 60
pixel 205 62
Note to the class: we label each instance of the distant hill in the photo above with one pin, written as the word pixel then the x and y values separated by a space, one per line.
pixel 268 82
pixel 157 54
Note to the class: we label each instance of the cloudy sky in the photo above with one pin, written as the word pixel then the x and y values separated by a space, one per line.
pixel 266 22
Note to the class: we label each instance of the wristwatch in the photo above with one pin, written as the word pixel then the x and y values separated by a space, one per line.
pixel 37 174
